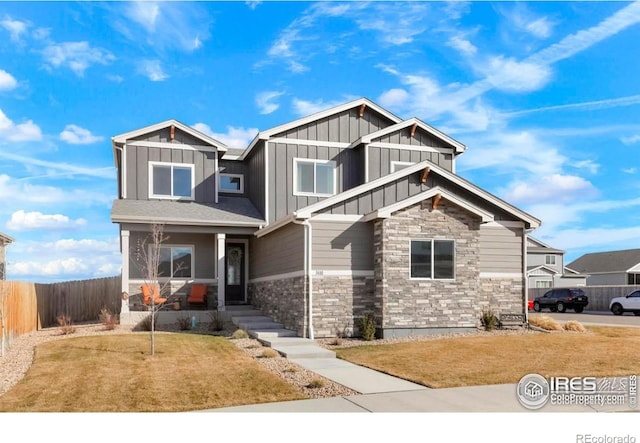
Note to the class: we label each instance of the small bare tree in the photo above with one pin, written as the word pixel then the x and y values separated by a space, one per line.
pixel 149 260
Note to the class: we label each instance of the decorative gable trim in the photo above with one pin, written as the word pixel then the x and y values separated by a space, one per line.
pixel 541 270
pixel 208 142
pixel 413 123
pixel 436 193
pixel 306 212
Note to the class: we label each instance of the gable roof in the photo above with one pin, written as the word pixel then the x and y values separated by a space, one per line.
pixel 606 262
pixel 307 211
pixel 539 247
pixel 266 134
pixel 459 147
pixel 123 138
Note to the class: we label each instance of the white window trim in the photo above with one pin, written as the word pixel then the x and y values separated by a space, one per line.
pixel 395 163
pixel 433 262
pixel 193 261
pixel 171 197
pixel 229 191
pixel 315 162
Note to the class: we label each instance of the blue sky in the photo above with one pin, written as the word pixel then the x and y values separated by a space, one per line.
pixel 544 94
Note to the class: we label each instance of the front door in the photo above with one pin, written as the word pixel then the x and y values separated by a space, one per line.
pixel 235 266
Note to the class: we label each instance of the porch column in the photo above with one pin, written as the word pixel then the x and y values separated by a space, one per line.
pixel 124 246
pixel 221 272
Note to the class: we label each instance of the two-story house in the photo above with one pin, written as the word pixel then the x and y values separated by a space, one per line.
pixel 323 219
pixel 4 241
pixel 545 267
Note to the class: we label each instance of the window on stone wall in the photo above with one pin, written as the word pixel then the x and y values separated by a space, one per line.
pixel 433 259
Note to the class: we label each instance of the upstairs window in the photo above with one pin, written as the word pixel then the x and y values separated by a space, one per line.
pixel 550 260
pixel 314 177
pixel 233 183
pixel 432 259
pixel 171 180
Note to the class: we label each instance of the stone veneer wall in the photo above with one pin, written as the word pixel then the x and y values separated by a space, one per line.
pixel 418 306
pixel 283 300
pixel 502 295
pixel 338 301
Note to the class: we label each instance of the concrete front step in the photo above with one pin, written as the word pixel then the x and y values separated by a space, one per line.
pixel 250 318
pixel 286 341
pixel 243 312
pixel 247 325
pixel 304 351
pixel 262 334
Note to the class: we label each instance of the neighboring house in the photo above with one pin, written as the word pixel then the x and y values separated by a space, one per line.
pixel 545 267
pixel 4 241
pixel 323 219
pixel 610 268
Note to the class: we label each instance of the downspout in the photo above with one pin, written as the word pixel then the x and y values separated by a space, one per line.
pixel 308 253
pixel 525 236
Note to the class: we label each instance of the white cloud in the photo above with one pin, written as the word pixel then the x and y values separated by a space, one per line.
pixel 77 56
pixel 508 74
pixel 253 4
pixel 237 138
pixel 555 188
pixel 394 98
pixel 462 45
pixel 27 131
pixel 541 28
pixel 630 100
pixel 7 81
pixel 630 170
pixel 152 69
pixel 24 221
pixel 395 24
pixel 165 25
pixel 589 165
pixel 49 268
pixel 630 140
pixel 305 107
pixel 16 28
pixel 84 246
pixel 61 167
pixel 265 101
pixel 76 135
pixel 20 192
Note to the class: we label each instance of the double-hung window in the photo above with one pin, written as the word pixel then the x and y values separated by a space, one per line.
pixel 550 259
pixel 314 177
pixel 171 180
pixel 175 262
pixel 433 259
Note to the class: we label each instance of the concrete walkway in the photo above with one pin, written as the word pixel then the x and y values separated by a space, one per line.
pixel 379 392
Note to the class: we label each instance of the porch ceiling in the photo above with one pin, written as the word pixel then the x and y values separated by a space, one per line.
pixel 230 211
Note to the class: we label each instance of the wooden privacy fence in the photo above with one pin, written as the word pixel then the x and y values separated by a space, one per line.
pixel 28 307
pixel 599 296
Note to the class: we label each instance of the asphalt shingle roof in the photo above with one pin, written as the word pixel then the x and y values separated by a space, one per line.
pixel 611 261
pixel 231 211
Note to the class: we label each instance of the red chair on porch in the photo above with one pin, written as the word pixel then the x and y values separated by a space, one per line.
pixel 148 291
pixel 198 295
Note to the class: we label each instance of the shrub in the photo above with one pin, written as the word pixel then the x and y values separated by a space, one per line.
pixel 239 334
pixel 184 323
pixel 64 321
pixel 216 322
pixel 269 353
pixel 574 326
pixel 488 320
pixel 367 326
pixel 545 322
pixel 108 320
pixel 145 324
pixel 316 383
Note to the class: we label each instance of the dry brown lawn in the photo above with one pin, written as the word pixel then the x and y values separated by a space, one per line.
pixel 496 359
pixel 116 374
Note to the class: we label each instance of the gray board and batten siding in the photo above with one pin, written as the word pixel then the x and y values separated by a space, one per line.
pixel 342 246
pixel 344 127
pixel 138 158
pixel 280 252
pixel 254 181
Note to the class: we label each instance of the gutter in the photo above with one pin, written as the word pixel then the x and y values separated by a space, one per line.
pixel 308 252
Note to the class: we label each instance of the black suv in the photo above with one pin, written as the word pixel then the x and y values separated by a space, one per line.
pixel 562 299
